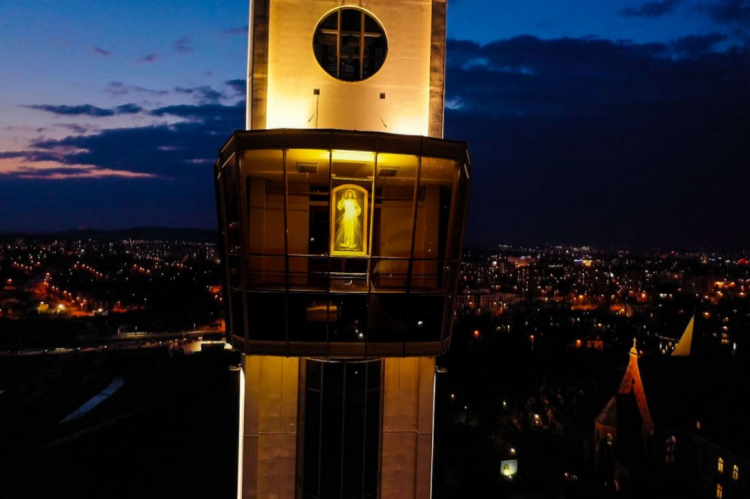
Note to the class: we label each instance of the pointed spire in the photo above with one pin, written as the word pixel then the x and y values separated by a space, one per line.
pixel 686 341
pixel 634 350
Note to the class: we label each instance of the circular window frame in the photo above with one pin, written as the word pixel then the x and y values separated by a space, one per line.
pixel 339 33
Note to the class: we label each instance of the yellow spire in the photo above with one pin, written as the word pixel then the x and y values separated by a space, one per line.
pixel 683 346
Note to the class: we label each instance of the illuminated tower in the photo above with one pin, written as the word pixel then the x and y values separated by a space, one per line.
pixel 341 212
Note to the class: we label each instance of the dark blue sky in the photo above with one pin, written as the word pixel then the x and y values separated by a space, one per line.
pixel 589 122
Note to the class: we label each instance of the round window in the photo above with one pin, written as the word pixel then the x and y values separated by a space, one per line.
pixel 350 44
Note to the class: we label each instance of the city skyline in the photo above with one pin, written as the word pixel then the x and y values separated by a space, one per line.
pixel 622 123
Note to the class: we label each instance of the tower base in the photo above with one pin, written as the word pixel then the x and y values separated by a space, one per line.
pixel 272 461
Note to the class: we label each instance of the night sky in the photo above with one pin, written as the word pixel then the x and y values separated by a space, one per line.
pixel 616 122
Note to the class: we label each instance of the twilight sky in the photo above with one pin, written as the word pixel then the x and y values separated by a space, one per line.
pixel 589 122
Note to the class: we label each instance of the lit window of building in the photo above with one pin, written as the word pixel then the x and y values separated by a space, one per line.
pixel 669 450
pixel 735 472
pixel 720 465
pixel 719 491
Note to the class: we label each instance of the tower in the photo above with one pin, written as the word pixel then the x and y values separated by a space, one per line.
pixel 341 212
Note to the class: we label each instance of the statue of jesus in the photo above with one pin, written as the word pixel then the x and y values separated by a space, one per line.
pixel 348 225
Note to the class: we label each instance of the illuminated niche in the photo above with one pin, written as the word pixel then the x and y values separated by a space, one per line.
pixel 349 221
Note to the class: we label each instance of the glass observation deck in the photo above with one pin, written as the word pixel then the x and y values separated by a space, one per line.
pixel 341 244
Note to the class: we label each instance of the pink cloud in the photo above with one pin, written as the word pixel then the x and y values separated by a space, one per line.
pixel 54 170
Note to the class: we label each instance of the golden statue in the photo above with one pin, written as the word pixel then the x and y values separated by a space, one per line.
pixel 349 230
pixel 350 221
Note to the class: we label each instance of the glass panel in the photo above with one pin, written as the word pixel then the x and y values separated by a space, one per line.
pixel 237 315
pixel 449 314
pixel 349 274
pixel 372 27
pixel 263 188
pixel 351 20
pixel 309 316
pixel 354 429
pixel 330 22
pixel 331 424
pixel 427 275
pixel 313 373
pixel 351 314
pixel 425 317
pixel 235 272
pixel 372 431
pixel 387 317
pixel 266 316
pixel 231 191
pixel 349 421
pixel 308 217
pixel 312 439
pixel 324 47
pixel 389 274
pixel 308 273
pixel 373 376
pixel 394 201
pixel 308 199
pixel 458 216
pixel 433 222
pixel 349 63
pixel 265 272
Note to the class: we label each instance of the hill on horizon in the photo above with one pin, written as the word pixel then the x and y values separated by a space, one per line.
pixel 144 233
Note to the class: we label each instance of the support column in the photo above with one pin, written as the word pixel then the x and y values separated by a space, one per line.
pixel 408 412
pixel 270 427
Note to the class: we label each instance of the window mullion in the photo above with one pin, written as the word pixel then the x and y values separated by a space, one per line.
pixel 338 45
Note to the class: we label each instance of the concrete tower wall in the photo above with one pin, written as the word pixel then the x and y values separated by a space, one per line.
pixel 406 469
pixel 270 427
pixel 284 74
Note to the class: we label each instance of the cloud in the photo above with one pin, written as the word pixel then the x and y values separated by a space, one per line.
pixel 53 170
pixel 113 178
pixel 119 88
pixel 101 51
pixel 203 94
pixel 735 12
pixel 149 58
pixel 87 110
pixel 238 87
pixel 573 141
pixel 242 30
pixel 595 141
pixel 651 9
pixel 211 116
pixel 182 46
pixel 79 110
pixel 128 109
pixel 74 127
pixel 164 150
pixel 52 164
pixel 697 44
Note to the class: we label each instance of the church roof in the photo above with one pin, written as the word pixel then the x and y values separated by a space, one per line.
pixel 608 416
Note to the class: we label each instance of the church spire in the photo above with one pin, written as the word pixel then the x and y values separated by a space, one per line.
pixel 686 341
pixel 634 350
